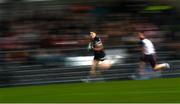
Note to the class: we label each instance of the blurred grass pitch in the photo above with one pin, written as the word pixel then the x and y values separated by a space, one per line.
pixel 136 91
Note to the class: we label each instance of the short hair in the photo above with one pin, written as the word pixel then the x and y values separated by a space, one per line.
pixel 141 32
pixel 92 32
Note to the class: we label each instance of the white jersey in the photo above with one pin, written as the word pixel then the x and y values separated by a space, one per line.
pixel 148 47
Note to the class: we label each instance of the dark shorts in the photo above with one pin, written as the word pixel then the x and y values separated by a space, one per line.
pixel 149 59
pixel 99 56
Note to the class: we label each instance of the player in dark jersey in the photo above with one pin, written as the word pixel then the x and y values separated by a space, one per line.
pixel 98 49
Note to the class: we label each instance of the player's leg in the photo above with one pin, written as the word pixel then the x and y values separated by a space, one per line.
pixel 141 68
pixel 142 65
pixel 105 64
pixel 93 67
pixel 161 66
pixel 157 67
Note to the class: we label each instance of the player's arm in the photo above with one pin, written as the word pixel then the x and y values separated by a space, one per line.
pixel 140 46
pixel 89 47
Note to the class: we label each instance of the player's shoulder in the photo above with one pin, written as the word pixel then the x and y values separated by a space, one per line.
pixel 146 40
pixel 97 38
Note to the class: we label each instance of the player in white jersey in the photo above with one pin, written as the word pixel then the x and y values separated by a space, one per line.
pixel 149 55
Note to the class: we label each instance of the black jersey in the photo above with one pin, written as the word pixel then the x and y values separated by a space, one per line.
pixel 98 55
pixel 96 42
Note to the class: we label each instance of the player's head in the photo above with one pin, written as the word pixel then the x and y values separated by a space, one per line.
pixel 92 35
pixel 141 35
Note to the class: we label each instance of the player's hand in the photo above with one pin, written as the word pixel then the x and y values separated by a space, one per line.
pixel 89 48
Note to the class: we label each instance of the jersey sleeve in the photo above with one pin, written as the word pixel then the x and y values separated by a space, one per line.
pixel 141 43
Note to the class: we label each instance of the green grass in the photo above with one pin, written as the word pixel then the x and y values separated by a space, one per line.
pixel 145 91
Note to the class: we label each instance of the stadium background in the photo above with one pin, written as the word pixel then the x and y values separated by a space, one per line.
pixel 45 41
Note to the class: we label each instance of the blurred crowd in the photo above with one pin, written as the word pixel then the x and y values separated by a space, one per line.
pixel 65 28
